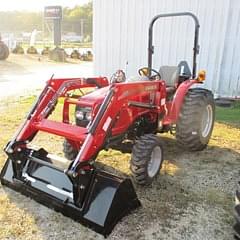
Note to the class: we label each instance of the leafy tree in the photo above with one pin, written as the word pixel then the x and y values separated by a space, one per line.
pixel 73 17
pixel 17 22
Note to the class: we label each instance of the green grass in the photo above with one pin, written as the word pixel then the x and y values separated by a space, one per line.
pixel 229 115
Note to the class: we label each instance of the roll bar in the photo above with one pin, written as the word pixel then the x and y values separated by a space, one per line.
pixel 196 35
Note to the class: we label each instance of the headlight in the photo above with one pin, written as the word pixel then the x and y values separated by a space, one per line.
pixel 83 115
pixel 80 115
pixel 88 116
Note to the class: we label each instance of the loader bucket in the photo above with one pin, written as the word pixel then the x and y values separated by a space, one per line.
pixel 102 204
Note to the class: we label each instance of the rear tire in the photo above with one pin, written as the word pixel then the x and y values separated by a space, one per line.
pixel 196 120
pixel 147 158
pixel 69 152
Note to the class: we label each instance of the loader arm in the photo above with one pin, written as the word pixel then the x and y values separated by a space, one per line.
pixel 46 103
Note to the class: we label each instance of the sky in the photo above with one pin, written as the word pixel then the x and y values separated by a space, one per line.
pixel 37 5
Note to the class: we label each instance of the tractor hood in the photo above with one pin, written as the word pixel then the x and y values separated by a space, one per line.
pixel 95 97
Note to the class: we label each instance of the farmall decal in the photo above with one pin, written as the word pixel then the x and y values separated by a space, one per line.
pixel 150 88
pixel 136 91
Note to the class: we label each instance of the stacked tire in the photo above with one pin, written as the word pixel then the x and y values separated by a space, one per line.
pixel 32 50
pixel 18 50
pixel 4 51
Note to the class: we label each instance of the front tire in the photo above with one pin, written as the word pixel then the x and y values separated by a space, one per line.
pixel 147 158
pixel 69 152
pixel 196 120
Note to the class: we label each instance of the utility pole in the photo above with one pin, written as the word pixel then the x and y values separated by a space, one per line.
pixel 82 30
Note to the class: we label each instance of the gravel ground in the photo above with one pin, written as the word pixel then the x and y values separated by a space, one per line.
pixel 23 74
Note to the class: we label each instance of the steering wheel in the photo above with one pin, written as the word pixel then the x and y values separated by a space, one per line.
pixel 145 72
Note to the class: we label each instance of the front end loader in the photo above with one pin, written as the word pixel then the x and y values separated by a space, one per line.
pixel 117 112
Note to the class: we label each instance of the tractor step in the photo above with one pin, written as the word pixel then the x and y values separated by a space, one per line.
pixel 68 131
pixel 105 198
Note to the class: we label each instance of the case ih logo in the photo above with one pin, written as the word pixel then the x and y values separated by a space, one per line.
pixel 53 12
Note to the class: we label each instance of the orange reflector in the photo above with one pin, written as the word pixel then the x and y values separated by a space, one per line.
pixel 201 75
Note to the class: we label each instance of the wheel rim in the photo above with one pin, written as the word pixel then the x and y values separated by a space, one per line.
pixel 155 161
pixel 207 120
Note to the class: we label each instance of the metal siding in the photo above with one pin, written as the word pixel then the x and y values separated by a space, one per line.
pixel 121 28
pixel 229 83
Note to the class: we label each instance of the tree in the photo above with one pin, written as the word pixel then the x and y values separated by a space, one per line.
pixel 16 21
pixel 75 15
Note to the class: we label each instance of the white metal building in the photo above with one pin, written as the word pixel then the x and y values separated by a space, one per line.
pixel 121 33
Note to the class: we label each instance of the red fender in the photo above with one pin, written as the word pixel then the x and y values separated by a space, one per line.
pixel 174 106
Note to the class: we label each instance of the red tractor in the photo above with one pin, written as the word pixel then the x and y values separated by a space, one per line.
pixel 116 113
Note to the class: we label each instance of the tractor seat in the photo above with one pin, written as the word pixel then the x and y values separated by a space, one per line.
pixel 170 74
